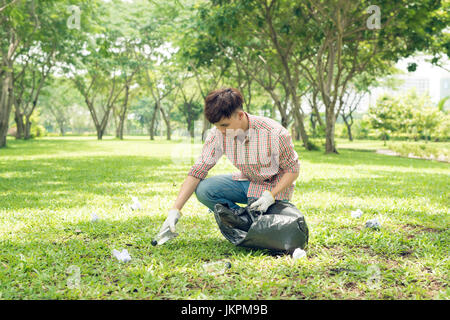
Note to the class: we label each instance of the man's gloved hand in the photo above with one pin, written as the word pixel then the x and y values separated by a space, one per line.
pixel 264 202
pixel 167 230
pixel 171 220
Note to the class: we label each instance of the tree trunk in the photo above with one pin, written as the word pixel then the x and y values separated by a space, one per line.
pixel 330 146
pixel 301 128
pixel 123 113
pixel 152 123
pixel 313 122
pixel 120 125
pixel 284 116
pixel 5 106
pixel 18 118
pixel 284 121
pixel 167 122
pixel 61 127
pixel 349 131
pixel 27 135
pixel 298 115
pixel 189 117
pixel 116 122
pixel 100 133
pixel 119 129
pixel 349 128
pixel 102 129
pixel 191 128
pixel 6 93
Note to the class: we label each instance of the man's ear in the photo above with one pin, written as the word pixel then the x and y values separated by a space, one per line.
pixel 240 114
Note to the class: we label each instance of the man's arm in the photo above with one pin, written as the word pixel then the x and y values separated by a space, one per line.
pixel 286 181
pixel 186 190
pixel 288 161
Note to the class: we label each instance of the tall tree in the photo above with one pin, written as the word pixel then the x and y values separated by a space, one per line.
pixel 57 101
pixel 101 69
pixel 36 30
pixel 190 108
pixel 28 86
pixel 18 21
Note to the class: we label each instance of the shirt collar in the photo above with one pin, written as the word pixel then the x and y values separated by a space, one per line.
pixel 250 120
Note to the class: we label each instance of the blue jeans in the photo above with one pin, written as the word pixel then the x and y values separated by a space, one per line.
pixel 222 189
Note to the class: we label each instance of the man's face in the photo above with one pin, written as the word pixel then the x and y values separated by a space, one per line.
pixel 232 123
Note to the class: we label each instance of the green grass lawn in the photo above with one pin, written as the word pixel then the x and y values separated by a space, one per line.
pixel 49 189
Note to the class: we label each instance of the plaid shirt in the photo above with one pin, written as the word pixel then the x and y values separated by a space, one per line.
pixel 262 154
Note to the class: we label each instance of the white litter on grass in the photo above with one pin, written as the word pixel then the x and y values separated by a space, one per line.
pixel 216 268
pixel 357 213
pixel 94 217
pixel 122 256
pixel 136 204
pixel 298 254
pixel 373 224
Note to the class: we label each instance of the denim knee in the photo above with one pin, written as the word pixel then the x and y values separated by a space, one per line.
pixel 202 191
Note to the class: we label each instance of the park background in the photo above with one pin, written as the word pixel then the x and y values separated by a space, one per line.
pixel 101 101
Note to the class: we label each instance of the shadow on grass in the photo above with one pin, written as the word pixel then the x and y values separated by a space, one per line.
pixel 384 184
pixel 91 244
pixel 354 157
pixel 70 182
pixel 57 182
pixel 44 146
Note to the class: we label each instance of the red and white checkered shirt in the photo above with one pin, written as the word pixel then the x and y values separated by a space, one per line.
pixel 262 154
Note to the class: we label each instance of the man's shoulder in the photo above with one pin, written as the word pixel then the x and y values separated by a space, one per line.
pixel 213 136
pixel 265 123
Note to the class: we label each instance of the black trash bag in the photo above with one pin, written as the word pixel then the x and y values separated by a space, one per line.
pixel 282 228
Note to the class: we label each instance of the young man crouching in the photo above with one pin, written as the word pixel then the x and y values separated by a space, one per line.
pixel 259 147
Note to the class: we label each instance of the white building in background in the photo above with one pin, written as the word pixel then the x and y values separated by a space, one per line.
pixel 426 79
pixel 445 90
pixel 421 85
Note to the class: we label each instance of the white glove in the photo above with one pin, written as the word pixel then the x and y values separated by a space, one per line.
pixel 171 220
pixel 264 202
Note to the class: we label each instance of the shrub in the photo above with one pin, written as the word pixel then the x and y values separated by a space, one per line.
pixel 408 117
pixel 422 150
pixel 37 131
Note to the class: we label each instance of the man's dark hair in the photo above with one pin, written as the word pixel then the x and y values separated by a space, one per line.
pixel 222 103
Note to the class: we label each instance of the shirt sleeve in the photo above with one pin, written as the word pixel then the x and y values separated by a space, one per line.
pixel 211 152
pixel 288 156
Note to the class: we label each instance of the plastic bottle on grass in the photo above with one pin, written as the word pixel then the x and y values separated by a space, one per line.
pixel 164 237
pixel 216 267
